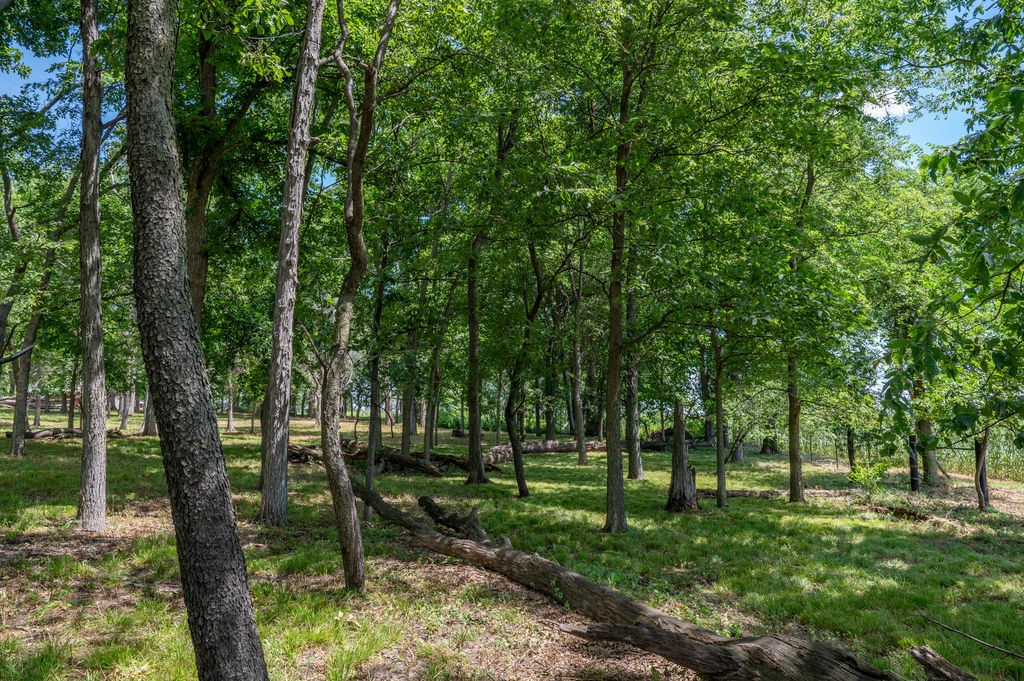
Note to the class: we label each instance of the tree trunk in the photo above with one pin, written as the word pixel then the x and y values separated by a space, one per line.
pixel 721 498
pixel 92 496
pixel 126 408
pixel 636 462
pixel 915 475
pixel 579 421
pixel 74 393
pixel 230 426
pixel 361 117
pixel 682 491
pixel 980 472
pixel 931 464
pixel 374 436
pixel 149 425
pixel 851 448
pixel 409 402
pixel 434 391
pixel 777 657
pixel 476 463
pixel 214 584
pixel 796 476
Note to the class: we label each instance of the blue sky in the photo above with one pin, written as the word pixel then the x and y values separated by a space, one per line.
pixel 927 130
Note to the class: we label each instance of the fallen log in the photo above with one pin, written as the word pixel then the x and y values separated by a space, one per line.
pixel 503 453
pixel 301 454
pixel 49 433
pixel 460 463
pixel 765 658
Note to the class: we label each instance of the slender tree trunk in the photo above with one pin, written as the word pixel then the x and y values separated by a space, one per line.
pixel 682 491
pixel 275 427
pixel 716 351
pixel 213 578
pixel 434 396
pixel 92 496
pixel 361 117
pixel 126 408
pixel 409 406
pixel 74 393
pixel 512 412
pixel 149 424
pixel 980 472
pixel 231 403
pixel 931 464
pixel 38 408
pixel 636 462
pixel 851 448
pixel 374 437
pixel 796 476
pixel 579 420
pixel 915 475
pixel 476 461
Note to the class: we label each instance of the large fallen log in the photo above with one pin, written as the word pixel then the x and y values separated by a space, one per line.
pixel 764 658
pixel 503 453
pixel 301 454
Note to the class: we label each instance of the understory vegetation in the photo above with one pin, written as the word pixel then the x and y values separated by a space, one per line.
pixel 863 569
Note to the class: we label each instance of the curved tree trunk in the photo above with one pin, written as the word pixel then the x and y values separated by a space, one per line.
pixel 980 470
pixel 213 578
pixel 274 427
pixel 92 496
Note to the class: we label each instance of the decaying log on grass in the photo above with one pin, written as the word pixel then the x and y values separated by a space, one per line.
pixel 449 460
pixel 765 658
pixel 937 668
pixel 467 525
pixel 503 453
pixel 300 454
pixel 50 434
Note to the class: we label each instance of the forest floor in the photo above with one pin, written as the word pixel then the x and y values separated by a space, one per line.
pixel 863 569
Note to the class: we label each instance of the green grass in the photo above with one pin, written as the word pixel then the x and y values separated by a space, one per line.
pixel 76 608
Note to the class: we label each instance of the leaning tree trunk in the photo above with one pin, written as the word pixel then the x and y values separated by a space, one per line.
pixel 775 657
pixel 214 584
pixel 274 428
pixel 512 406
pixel 682 491
pixel 92 496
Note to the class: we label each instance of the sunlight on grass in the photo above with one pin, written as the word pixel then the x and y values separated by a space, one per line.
pixel 833 568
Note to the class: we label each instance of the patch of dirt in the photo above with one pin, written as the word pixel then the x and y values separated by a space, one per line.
pixel 482 626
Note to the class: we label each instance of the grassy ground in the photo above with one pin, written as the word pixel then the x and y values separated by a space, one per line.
pixel 846 568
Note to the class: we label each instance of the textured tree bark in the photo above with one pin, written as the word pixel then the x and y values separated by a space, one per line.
pixel 92 495
pixel 682 491
pixel 127 406
pixel 274 428
pixel 214 584
pixel 796 475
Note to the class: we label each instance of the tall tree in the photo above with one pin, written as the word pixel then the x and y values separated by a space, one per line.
pixel 92 504
pixel 274 427
pixel 361 111
pixel 214 584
